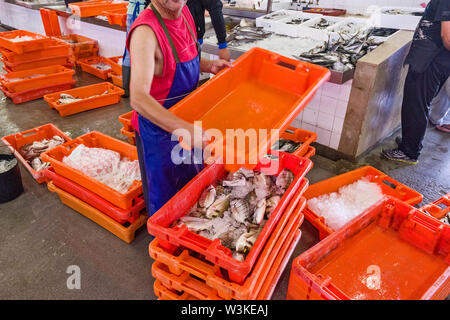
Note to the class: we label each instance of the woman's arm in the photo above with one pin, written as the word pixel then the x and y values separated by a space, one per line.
pixel 143 46
pixel 445 33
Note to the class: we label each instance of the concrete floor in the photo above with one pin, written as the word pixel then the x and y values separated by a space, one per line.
pixel 40 237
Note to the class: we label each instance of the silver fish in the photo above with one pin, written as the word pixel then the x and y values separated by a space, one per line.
pixel 218 207
pixel 207 198
pixel 240 210
pixel 258 216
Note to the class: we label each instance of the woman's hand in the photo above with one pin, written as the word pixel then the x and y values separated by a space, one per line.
pixel 218 65
pixel 213 66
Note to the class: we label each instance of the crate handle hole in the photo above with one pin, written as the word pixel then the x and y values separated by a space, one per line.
pixel 390 184
pixel 286 65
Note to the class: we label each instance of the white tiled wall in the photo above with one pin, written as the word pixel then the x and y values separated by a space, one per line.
pixel 360 6
pixel 325 113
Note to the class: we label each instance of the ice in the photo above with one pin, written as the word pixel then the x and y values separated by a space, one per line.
pixel 351 200
pixel 22 38
pixel 6 165
pixel 105 166
pixel 286 46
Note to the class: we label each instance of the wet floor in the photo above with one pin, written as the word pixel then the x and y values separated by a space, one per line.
pixel 40 237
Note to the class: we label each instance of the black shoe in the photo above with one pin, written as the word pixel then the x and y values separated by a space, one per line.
pixel 398 155
pixel 398 141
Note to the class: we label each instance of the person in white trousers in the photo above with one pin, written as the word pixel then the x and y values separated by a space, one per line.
pixel 440 109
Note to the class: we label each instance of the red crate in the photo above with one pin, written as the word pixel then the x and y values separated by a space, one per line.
pixel 391 251
pixel 186 261
pixel 388 185
pixel 29 95
pixel 17 140
pixel 439 208
pixel 201 279
pixel 182 202
pixel 120 215
pixel 96 139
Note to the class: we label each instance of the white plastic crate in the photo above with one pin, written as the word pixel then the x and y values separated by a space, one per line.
pixel 283 27
pixel 308 29
pixel 267 20
pixel 398 21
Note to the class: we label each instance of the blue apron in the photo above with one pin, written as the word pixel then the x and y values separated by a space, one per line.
pixel 164 178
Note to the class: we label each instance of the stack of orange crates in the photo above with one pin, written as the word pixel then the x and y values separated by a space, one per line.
pixel 81 47
pixel 120 213
pixel 116 73
pixel 35 67
pixel 128 129
pixel 33 52
pixel 190 266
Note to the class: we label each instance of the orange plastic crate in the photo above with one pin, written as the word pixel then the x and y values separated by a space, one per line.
pixel 116 79
pixel 124 232
pixel 310 152
pixel 40 42
pixel 275 256
pixel 388 185
pixel 267 90
pixel 55 49
pixel 37 63
pixel 17 140
pixel 81 46
pixel 391 251
pixel 179 205
pixel 48 76
pixel 86 66
pixel 89 102
pixel 25 96
pixel 439 208
pixel 274 274
pixel 130 135
pixel 164 293
pixel 95 139
pixel 95 8
pixel 115 65
pixel 125 119
pixel 117 16
pixel 211 275
pixel 299 135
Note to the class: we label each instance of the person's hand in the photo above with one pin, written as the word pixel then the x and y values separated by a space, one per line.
pixel 224 54
pixel 218 65
pixel 199 138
